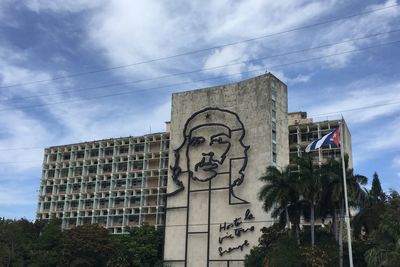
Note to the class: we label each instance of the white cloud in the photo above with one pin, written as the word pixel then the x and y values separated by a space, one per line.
pixel 227 56
pixel 396 161
pixel 19 130
pixel 387 136
pixel 360 94
pixel 61 5
pixel 300 78
pixel 14 195
pixel 372 23
pixel 128 32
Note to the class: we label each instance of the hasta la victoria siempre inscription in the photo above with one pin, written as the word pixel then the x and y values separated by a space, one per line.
pixel 238 230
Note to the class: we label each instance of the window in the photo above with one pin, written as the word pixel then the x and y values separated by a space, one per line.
pixel 273 115
pixel 107 168
pixel 94 153
pixel 137 165
pixel 119 201
pixel 273 104
pixel 62 189
pixel 120 183
pixel 53 157
pixel 274 157
pixel 64 172
pixel 109 151
pixel 80 154
pixel 78 171
pixel 92 169
pixel 103 203
pixel 122 166
pixel 139 147
pixel 90 186
pixel 136 182
pixel 293 138
pixel 50 173
pixel 123 150
pixel 273 135
pixel 273 125
pixel 105 185
pixel 66 156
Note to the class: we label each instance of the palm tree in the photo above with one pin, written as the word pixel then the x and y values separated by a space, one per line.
pixel 333 194
pixel 310 187
pixel 279 192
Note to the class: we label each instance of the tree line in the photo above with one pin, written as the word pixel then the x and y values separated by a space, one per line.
pixel 43 244
pixel 301 193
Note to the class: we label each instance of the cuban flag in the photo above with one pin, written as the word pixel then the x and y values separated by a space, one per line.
pixel 331 138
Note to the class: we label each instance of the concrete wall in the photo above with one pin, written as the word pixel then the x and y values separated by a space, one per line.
pixel 205 211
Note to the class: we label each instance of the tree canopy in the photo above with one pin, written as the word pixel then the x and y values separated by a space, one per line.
pixel 43 244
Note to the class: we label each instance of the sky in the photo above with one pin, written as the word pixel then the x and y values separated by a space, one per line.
pixel 73 71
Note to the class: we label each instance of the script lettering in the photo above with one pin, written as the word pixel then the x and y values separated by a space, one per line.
pixel 222 251
pixel 238 230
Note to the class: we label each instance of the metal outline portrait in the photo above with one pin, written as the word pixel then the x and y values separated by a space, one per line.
pixel 234 180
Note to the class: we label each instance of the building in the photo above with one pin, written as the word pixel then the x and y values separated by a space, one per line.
pixel 199 179
pixel 303 130
pixel 117 183
pixel 222 140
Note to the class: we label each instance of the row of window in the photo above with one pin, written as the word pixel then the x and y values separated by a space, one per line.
pixel 106 168
pixel 106 152
pixel 273 116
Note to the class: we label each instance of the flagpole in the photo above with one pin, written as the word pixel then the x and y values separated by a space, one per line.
pixel 347 217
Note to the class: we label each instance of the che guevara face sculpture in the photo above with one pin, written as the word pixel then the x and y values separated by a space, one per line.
pixel 206 150
pixel 213 138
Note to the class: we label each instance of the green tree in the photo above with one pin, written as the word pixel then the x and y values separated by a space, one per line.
pixel 368 219
pixel 279 191
pixel 86 245
pixel 141 248
pixel 270 236
pixel 376 194
pixel 16 238
pixel 385 251
pixel 333 195
pixel 310 187
pixel 47 248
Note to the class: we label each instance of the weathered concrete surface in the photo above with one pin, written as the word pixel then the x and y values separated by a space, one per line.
pixel 251 100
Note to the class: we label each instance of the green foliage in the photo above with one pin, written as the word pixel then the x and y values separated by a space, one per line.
pixel 270 236
pixel 284 253
pixel 376 193
pixel 385 240
pixel 47 248
pixel 16 238
pixel 86 245
pixel 359 249
pixel 278 248
pixel 279 192
pixel 315 257
pixel 256 257
pixel 141 248
pixel 39 244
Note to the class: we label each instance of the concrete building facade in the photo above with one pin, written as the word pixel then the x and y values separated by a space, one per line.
pixel 303 130
pixel 199 179
pixel 116 183
pixel 222 140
